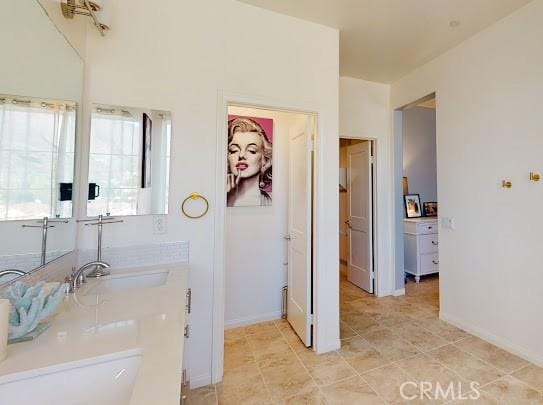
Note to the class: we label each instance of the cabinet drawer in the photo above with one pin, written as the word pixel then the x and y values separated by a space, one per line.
pixel 429 243
pixel 429 263
pixel 426 227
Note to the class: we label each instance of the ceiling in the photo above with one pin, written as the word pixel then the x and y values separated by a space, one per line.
pixel 382 40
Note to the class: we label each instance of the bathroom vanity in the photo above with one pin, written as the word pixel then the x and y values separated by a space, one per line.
pixel 116 340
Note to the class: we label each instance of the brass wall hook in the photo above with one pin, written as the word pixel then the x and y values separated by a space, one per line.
pixel 535 176
pixel 507 184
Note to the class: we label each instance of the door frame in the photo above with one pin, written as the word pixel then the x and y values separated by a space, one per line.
pixel 219 265
pixel 374 214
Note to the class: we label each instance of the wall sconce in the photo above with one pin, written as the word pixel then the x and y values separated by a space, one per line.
pixel 93 9
pixel 534 176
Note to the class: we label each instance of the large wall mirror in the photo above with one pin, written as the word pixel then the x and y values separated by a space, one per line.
pixel 41 85
pixel 129 161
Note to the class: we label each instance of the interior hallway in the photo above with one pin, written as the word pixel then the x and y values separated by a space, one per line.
pixel 385 342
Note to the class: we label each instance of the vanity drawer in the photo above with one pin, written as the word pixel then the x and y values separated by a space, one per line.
pixel 426 228
pixel 429 263
pixel 429 243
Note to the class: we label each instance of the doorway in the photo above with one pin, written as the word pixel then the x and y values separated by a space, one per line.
pixel 268 230
pixel 356 212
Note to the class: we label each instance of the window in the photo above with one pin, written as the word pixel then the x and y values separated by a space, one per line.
pixel 37 140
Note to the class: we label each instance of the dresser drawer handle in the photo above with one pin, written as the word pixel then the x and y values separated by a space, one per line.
pixel 429 227
pixel 435 261
pixel 435 243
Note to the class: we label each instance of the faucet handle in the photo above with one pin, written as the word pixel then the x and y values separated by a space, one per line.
pixel 70 282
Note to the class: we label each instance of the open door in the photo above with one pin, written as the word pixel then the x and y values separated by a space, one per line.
pixel 359 187
pixel 299 304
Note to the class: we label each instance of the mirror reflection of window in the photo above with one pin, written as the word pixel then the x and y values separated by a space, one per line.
pixel 128 161
pixel 37 141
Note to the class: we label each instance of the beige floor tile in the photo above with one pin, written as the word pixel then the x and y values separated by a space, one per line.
pixel 510 391
pixel 285 376
pixel 390 346
pixel 326 368
pixel 345 331
pixel 203 396
pixel 234 334
pixel 482 398
pixel 264 328
pixel 531 375
pixel 361 355
pixel 424 369
pixel 491 354
pixel 351 391
pixel 362 322
pixel 237 353
pixel 442 329
pixel 387 382
pixel 421 338
pixel 466 365
pixel 266 344
pixel 312 397
pixel 292 338
pixel 243 383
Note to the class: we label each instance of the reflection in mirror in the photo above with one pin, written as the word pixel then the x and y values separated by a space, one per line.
pixel 129 161
pixel 41 87
pixel 37 141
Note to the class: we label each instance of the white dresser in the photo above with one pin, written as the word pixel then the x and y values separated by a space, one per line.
pixel 421 246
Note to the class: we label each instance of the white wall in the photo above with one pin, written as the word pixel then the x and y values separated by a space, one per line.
pixel 199 52
pixel 419 151
pixel 489 128
pixel 255 246
pixel 364 111
pixel 74 30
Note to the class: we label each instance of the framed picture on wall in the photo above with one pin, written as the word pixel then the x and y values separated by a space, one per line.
pixel 430 209
pixel 413 208
pixel 146 152
pixel 249 161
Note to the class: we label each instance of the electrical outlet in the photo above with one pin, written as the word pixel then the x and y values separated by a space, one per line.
pixel 160 225
pixel 448 223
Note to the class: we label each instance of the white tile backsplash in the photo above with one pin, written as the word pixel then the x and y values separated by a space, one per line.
pixel 139 255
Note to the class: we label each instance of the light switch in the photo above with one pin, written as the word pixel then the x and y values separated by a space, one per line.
pixel 448 223
pixel 160 225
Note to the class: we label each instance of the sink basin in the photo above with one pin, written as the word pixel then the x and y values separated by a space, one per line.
pixel 125 282
pixel 101 380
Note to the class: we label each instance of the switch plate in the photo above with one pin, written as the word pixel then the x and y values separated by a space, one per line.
pixel 160 224
pixel 448 223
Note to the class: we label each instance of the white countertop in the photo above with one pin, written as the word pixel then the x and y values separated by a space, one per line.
pixel 150 319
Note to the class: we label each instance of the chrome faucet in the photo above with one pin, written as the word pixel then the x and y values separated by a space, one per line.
pixel 12 272
pixel 79 277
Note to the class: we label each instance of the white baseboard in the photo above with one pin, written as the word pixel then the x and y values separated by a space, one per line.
pixel 399 292
pixel 236 323
pixel 329 348
pixel 495 340
pixel 200 381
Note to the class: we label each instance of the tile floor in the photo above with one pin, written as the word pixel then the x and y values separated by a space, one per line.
pixel 385 342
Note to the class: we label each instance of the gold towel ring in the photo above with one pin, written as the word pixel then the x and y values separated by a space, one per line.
pixel 194 196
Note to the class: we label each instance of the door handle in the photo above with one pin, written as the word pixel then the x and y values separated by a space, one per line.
pixel 287 237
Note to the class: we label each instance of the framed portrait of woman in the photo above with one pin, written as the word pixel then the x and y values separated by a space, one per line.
pixel 249 161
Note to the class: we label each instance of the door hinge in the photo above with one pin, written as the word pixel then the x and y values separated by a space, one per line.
pixel 312 319
pixel 188 300
pixel 372 160
pixel 187 331
pixel 311 145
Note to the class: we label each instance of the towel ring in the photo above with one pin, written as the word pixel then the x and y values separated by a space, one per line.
pixel 194 196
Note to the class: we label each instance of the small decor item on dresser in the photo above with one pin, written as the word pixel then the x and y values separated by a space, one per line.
pixel 30 307
pixel 430 209
pixel 413 208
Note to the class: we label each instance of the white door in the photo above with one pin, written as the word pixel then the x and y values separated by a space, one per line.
pixel 299 237
pixel 359 188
